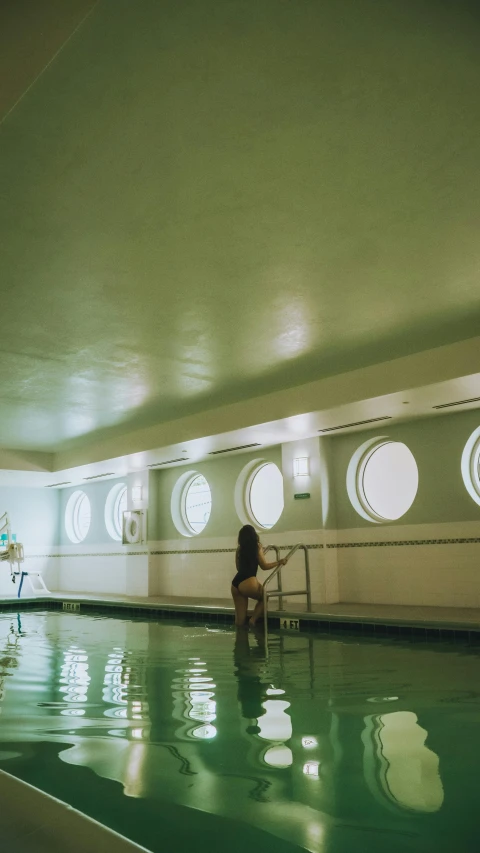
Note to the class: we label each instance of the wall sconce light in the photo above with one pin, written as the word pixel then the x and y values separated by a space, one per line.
pixel 136 494
pixel 301 467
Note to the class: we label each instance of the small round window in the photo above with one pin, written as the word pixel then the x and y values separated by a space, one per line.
pixel 471 466
pixel 196 504
pixel 78 515
pixel 385 478
pixel 265 495
pixel 115 506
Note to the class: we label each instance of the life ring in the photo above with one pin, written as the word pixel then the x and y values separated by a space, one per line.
pixel 132 529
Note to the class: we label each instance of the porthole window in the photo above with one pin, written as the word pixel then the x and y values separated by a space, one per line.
pixel 191 503
pixel 259 494
pixel 265 495
pixel 471 466
pixel 197 503
pixel 382 480
pixel 78 515
pixel 115 506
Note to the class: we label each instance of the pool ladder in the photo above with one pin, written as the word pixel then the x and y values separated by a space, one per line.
pixel 279 592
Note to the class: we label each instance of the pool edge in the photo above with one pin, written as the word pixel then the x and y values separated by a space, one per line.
pixel 321 622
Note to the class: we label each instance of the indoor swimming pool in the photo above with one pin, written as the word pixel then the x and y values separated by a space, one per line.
pixel 183 736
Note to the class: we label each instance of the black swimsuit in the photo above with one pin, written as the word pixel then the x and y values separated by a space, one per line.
pixel 248 570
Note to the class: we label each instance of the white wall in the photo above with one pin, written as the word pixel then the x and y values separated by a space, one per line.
pixel 112 569
pixel 427 568
pixel 34 519
pixel 205 569
pixel 101 564
pixel 429 557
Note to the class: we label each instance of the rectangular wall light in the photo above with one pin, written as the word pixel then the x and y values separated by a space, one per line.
pixel 301 467
pixel 136 494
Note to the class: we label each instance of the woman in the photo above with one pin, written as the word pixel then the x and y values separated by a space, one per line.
pixel 248 558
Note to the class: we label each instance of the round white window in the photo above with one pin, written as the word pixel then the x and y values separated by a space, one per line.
pixel 115 506
pixel 196 504
pixel 265 495
pixel 471 466
pixel 78 515
pixel 382 480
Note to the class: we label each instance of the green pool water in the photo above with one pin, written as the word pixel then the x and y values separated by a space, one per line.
pixel 185 737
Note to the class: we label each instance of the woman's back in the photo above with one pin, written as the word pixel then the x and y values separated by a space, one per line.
pixel 246 562
pixel 246 557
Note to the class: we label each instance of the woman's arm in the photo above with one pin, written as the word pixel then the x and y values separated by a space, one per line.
pixel 268 566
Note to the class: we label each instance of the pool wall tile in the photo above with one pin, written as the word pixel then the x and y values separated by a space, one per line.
pixel 320 624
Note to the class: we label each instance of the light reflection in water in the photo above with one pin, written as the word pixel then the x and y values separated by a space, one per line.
pixel 73 712
pixel 74 678
pixel 122 685
pixel 204 732
pixel 399 767
pixel 311 768
pixel 274 691
pixel 8 657
pixel 279 755
pixel 116 680
pixel 269 739
pixel 275 724
pixel 197 697
pixel 272 723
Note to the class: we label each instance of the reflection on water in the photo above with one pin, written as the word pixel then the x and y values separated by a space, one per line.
pixel 330 745
pixel 399 765
pixel 195 699
pixel 8 655
pixel 74 680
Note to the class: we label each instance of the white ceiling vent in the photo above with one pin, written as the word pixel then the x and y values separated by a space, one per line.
pixel 356 423
pixel 99 476
pixel 457 403
pixel 231 449
pixel 167 462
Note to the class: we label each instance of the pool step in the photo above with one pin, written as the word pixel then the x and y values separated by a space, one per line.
pixel 35 822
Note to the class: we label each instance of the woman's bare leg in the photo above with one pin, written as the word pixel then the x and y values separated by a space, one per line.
pixel 241 604
pixel 251 588
pixel 257 613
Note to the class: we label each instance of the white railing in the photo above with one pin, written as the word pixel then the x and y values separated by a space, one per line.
pixel 279 592
pixel 13 554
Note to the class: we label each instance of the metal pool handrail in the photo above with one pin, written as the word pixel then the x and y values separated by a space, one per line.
pixel 277 571
pixel 279 592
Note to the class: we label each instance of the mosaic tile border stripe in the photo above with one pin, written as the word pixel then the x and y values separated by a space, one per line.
pixel 396 543
pixel 195 551
pixel 223 550
pixel 400 543
pixel 100 554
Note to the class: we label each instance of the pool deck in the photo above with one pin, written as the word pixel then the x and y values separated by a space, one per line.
pixel 379 617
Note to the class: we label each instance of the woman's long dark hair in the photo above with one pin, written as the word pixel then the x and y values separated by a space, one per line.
pixel 248 542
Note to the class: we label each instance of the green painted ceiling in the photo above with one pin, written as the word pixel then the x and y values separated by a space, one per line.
pixel 208 200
